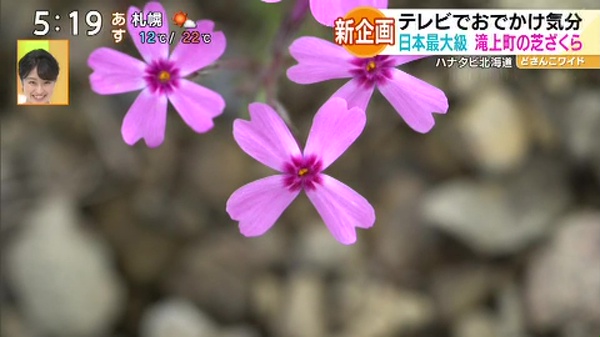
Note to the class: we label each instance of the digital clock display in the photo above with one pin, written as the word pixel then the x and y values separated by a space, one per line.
pixel 43 18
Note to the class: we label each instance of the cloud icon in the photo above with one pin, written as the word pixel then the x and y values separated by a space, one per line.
pixel 189 24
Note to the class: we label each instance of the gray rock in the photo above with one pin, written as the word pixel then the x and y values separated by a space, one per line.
pixel 304 312
pixel 579 329
pixel 115 155
pixel 511 311
pixel 597 169
pixel 506 320
pixel 563 282
pixel 176 317
pixel 583 126
pixel 266 299
pixel 6 164
pixel 461 289
pixel 13 324
pixel 317 248
pixel 231 261
pixel 476 324
pixel 498 217
pixel 144 253
pixel 145 257
pixel 152 200
pixel 11 189
pixel 559 82
pixel 465 81
pixel 239 331
pixel 62 276
pixel 492 131
pixel 378 309
pixel 217 167
pixel 402 244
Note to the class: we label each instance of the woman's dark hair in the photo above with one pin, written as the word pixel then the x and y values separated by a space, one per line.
pixel 47 66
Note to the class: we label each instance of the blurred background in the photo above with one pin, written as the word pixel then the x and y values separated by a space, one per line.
pixel 487 226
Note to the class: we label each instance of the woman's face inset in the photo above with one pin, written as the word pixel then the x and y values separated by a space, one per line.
pixel 37 90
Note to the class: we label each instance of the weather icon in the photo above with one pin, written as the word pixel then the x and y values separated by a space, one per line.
pixel 181 19
pixel 189 24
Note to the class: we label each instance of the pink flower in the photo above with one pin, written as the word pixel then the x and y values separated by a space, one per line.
pixel 326 11
pixel 161 78
pixel 267 139
pixel 415 100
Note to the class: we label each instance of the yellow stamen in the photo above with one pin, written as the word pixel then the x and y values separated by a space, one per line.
pixel 164 76
pixel 302 172
pixel 370 65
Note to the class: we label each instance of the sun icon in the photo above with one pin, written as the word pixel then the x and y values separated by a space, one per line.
pixel 180 18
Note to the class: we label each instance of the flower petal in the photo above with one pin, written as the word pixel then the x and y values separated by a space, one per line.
pixel 318 60
pixel 404 59
pixel 355 94
pixel 271 1
pixel 415 100
pixel 334 129
pixel 190 57
pixel 115 72
pixel 259 204
pixel 154 51
pixel 146 118
pixel 266 137
pixel 197 105
pixel 342 209
pixel 327 11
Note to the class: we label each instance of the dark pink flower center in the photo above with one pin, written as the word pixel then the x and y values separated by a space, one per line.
pixel 303 172
pixel 372 70
pixel 162 76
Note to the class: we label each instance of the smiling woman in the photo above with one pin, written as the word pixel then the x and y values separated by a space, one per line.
pixel 42 79
pixel 38 71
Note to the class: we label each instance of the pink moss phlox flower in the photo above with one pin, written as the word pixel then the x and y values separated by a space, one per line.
pixel 161 78
pixel 267 139
pixel 414 99
pixel 326 11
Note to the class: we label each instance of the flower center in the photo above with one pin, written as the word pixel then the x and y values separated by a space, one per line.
pixel 162 76
pixel 372 71
pixel 371 65
pixel 303 172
